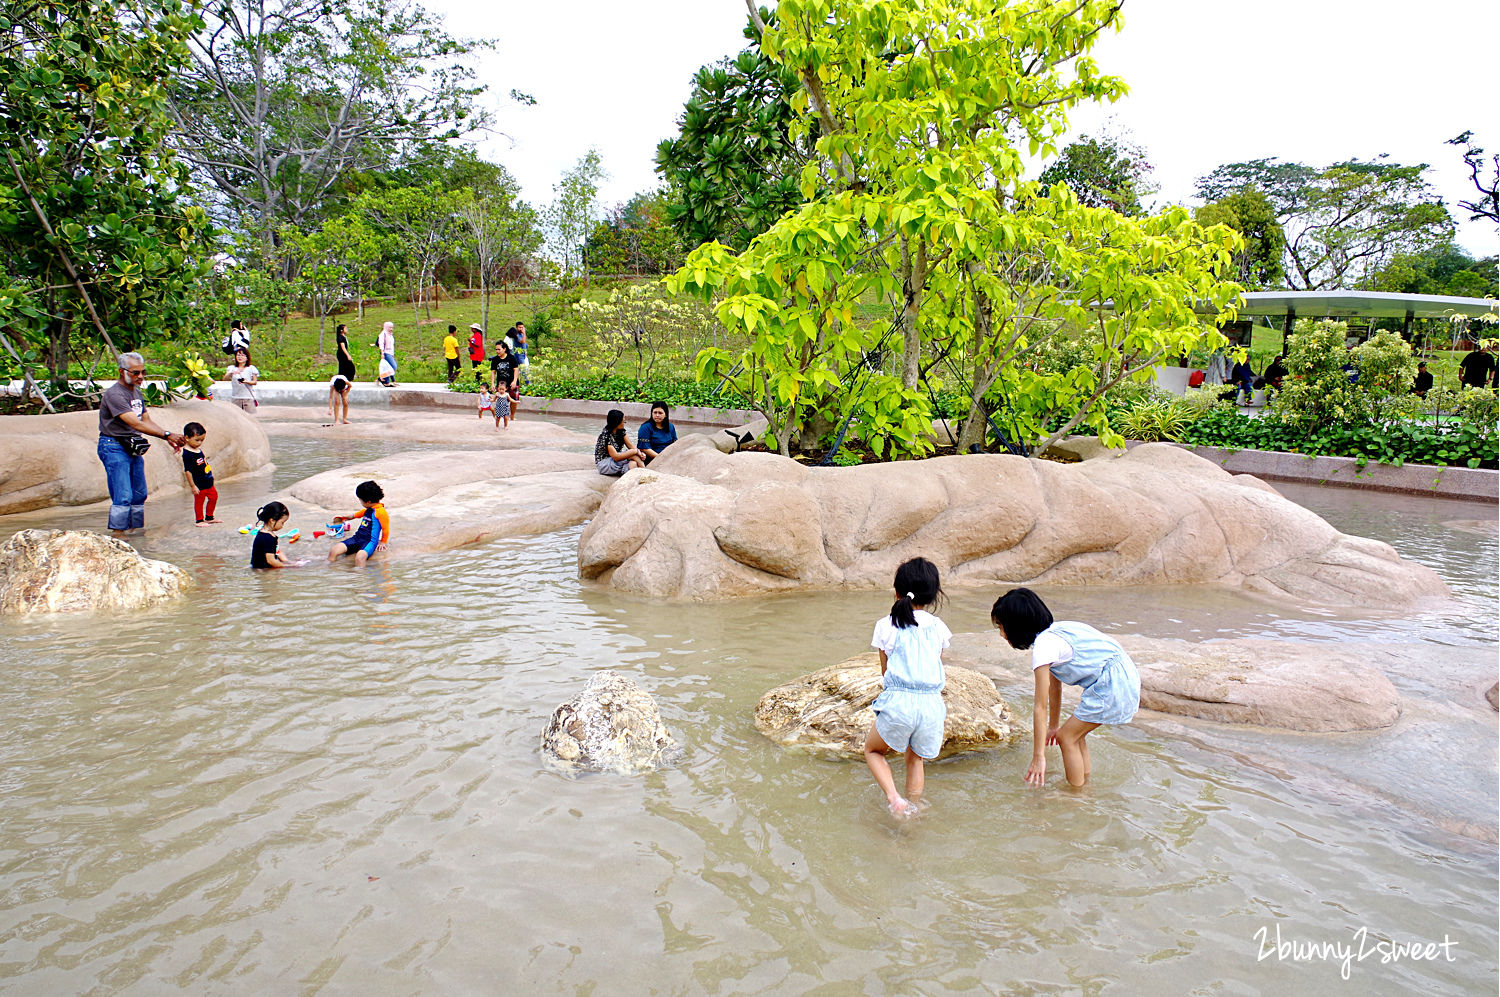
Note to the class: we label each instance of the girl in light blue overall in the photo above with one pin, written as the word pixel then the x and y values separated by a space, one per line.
pixel 1079 655
pixel 909 712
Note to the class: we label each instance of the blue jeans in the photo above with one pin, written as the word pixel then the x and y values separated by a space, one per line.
pixel 127 485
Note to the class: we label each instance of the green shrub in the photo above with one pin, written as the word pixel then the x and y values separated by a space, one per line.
pixel 1396 443
pixel 1153 421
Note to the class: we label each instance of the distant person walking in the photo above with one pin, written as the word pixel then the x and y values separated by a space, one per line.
pixel 1477 369
pixel 476 347
pixel 450 353
pixel 518 351
pixel 123 428
pixel 386 344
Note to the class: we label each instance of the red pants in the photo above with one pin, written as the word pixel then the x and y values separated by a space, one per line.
pixel 204 502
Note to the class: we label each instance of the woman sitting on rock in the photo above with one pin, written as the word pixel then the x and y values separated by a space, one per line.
pixel 1079 655
pixel 612 451
pixel 657 433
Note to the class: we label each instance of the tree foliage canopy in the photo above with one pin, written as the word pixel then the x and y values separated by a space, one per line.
pixel 95 240
pixel 1341 223
pixel 1103 172
pixel 735 166
pixel 915 198
pixel 282 99
pixel 1258 266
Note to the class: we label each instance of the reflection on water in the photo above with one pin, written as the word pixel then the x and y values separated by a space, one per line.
pixel 327 779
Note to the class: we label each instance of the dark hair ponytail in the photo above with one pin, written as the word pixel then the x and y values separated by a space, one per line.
pixel 270 512
pixel 916 585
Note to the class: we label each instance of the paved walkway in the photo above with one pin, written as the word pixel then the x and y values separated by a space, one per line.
pixel 436 395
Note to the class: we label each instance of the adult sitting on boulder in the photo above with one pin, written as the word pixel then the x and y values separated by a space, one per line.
pixel 657 433
pixel 123 424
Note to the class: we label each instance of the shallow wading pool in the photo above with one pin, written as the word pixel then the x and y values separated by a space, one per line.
pixel 327 780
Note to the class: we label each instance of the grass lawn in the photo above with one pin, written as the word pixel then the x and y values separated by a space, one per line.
pixel 293 353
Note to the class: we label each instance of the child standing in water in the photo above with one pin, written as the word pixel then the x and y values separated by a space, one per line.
pixel 263 552
pixel 909 713
pixel 1079 655
pixel 200 475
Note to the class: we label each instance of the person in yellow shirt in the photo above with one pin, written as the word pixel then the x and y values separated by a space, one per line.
pixel 450 353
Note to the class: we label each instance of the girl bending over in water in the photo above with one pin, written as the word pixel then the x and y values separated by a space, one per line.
pixel 1079 655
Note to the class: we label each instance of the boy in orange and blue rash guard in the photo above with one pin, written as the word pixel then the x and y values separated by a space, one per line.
pixel 374 530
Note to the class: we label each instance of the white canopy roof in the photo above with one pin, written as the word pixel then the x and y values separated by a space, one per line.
pixel 1363 304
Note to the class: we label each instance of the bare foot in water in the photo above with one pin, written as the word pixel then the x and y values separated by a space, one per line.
pixel 901 808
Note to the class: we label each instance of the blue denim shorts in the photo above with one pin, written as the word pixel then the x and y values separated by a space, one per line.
pixel 911 720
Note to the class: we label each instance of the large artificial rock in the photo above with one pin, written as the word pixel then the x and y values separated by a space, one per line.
pixel 701 524
pixel 439 500
pixel 52 460
pixel 1271 683
pixel 829 710
pixel 613 725
pixel 66 571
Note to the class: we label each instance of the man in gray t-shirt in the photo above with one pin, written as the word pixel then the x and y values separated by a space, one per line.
pixel 122 417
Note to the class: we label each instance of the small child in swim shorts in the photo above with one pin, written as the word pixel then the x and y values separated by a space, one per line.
pixel 374 530
pixel 909 712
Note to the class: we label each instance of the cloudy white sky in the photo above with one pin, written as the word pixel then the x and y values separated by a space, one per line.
pixel 1211 82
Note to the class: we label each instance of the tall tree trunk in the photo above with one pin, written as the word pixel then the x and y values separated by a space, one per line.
pixel 913 280
pixel 484 296
pixel 322 301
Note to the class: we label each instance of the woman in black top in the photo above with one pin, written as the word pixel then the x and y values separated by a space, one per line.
pixel 343 381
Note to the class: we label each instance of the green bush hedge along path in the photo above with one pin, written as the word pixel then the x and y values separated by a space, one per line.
pixel 1398 443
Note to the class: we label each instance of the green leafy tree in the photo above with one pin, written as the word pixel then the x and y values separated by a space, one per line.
pixel 99 243
pixel 498 231
pixel 735 165
pixel 1442 269
pixel 636 238
pixel 282 100
pixel 915 199
pixel 1342 223
pixel 572 214
pixel 1103 172
pixel 1249 212
pixel 420 224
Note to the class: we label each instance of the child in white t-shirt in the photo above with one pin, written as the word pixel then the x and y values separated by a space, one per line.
pixel 909 712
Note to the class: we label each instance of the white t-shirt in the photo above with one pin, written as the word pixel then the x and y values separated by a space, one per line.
pixel 386 342
pixel 237 387
pixel 1049 649
pixel 913 654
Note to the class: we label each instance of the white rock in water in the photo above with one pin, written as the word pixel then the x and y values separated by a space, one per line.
pixel 613 725
pixel 74 571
